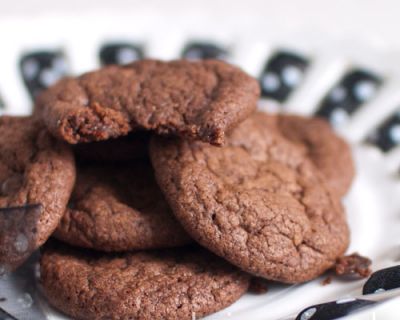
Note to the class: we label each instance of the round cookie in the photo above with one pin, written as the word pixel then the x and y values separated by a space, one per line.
pixel 179 284
pixel 37 174
pixel 131 147
pixel 201 100
pixel 258 202
pixel 119 208
pixel 330 153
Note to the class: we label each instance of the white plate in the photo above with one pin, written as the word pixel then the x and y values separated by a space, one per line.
pixel 372 204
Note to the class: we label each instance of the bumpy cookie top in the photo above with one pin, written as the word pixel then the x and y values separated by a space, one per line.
pixel 37 174
pixel 119 208
pixel 258 202
pixel 329 152
pixel 201 100
pixel 172 284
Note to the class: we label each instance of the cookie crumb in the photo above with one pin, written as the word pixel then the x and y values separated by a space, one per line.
pixel 326 281
pixel 258 286
pixel 353 264
pixel 2 299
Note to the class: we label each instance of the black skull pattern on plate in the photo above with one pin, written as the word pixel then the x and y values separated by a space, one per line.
pixel 41 69
pixel 18 232
pixel 4 315
pixel 204 50
pixel 120 53
pixel 354 89
pixel 282 74
pixel 382 280
pixel 333 310
pixel 387 135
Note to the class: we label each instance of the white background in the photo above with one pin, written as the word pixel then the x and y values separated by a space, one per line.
pixel 377 20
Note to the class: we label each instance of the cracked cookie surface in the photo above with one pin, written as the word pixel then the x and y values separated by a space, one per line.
pixel 329 152
pixel 119 208
pixel 257 202
pixel 200 100
pixel 37 174
pixel 171 284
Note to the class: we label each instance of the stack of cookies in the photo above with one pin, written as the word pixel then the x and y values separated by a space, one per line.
pixel 165 191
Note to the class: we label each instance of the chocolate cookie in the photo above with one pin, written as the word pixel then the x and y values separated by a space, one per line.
pixel 330 153
pixel 37 174
pixel 180 284
pixel 119 208
pixel 131 147
pixel 201 100
pixel 258 202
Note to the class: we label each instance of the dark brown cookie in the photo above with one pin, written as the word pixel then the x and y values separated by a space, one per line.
pixel 131 147
pixel 258 202
pixel 330 153
pixel 119 208
pixel 179 284
pixel 37 174
pixel 201 100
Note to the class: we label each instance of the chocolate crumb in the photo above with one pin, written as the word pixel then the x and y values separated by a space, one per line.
pixel 326 281
pixel 353 264
pixel 258 286
pixel 2 299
